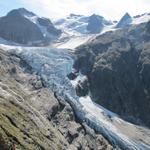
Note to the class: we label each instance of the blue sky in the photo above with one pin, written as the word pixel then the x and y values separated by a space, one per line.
pixel 111 9
pixel 6 5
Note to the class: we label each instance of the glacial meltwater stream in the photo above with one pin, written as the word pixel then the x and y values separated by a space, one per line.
pixel 53 65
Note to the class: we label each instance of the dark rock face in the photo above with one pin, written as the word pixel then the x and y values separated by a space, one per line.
pixel 148 27
pixel 22 11
pixel 95 24
pixel 54 31
pixel 125 20
pixel 44 22
pixel 72 76
pixel 118 68
pixel 78 136
pixel 49 25
pixel 17 28
pixel 82 88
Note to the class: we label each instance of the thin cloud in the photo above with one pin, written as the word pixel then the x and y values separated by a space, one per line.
pixel 111 9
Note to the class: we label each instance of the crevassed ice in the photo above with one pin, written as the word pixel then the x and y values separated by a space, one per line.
pixel 53 65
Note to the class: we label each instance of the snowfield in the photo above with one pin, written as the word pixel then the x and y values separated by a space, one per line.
pixel 53 65
pixel 73 42
pixel 74 28
pixel 141 18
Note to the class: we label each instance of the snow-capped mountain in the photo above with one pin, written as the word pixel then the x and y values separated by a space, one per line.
pixel 80 24
pixel 97 23
pixel 78 29
pixel 75 24
pixel 24 27
pixel 125 20
pixel 45 25
pixel 74 31
pixel 141 18
pixel 53 66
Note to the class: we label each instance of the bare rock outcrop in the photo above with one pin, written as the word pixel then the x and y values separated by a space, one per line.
pixel 31 116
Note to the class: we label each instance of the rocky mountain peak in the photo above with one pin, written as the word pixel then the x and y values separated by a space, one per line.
pixel 95 23
pixel 22 12
pixel 125 20
pixel 126 15
pixel 25 27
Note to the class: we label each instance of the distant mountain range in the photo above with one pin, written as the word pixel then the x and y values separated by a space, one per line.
pixel 95 24
pixel 25 27
pixel 83 24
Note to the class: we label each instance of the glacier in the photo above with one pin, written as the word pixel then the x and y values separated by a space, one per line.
pixel 53 65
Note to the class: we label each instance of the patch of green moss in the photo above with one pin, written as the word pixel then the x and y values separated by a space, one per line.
pixel 19 128
pixel 16 124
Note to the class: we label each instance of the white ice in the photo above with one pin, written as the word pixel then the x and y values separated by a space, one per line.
pixel 73 42
pixel 143 18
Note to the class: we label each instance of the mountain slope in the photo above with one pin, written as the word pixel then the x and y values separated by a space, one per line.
pixel 75 24
pixel 117 66
pixel 96 24
pixel 31 116
pixel 17 28
pixel 53 66
pixel 24 27
pixel 80 24
pixel 77 29
pixel 20 122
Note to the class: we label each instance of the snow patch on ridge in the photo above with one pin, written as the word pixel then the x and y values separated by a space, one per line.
pixel 43 29
pixel 73 42
pixel 141 19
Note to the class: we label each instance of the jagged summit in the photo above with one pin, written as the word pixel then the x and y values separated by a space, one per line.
pixel 148 27
pixel 95 23
pixel 34 29
pixel 22 12
pixel 127 15
pixel 125 20
pixel 96 16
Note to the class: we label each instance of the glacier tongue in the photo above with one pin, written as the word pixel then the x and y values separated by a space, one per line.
pixel 53 65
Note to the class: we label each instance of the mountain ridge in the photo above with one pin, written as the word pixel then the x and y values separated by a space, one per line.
pixel 63 31
pixel 118 71
pixel 24 27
